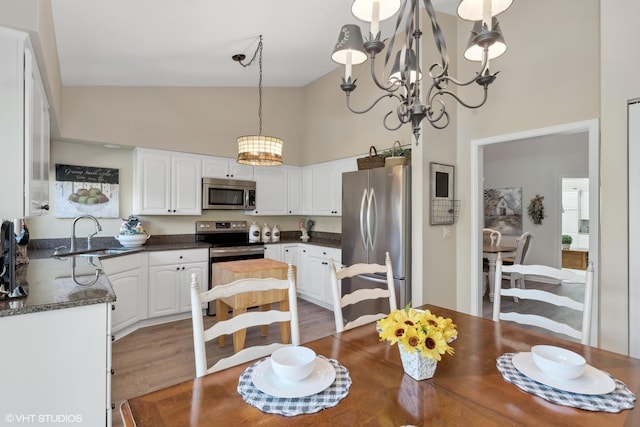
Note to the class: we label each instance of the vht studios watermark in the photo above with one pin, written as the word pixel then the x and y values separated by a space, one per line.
pixel 43 418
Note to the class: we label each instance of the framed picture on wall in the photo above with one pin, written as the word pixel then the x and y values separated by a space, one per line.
pixel 87 190
pixel 444 208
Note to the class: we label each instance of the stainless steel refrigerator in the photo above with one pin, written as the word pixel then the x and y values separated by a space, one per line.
pixel 376 218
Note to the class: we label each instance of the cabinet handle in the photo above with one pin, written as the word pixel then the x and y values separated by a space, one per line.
pixel 169 210
pixel 177 268
pixel 113 338
pixel 113 307
pixel 174 210
pixel 113 371
pixel 180 256
pixel 183 268
pixel 113 406
pixel 44 207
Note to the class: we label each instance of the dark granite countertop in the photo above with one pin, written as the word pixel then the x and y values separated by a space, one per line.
pixel 52 284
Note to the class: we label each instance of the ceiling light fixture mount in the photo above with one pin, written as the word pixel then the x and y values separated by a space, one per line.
pixel 405 78
pixel 258 150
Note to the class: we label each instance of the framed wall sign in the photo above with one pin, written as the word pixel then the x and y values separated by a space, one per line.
pixel 444 207
pixel 87 190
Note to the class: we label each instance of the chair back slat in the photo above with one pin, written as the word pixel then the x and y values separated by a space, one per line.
pixel 550 275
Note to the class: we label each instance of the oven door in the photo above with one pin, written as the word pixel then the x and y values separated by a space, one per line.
pixel 234 253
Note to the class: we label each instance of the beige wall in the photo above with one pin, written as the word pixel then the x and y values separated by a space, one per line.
pixel 191 119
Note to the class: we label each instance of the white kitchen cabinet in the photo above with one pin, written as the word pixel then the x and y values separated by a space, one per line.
pixel 315 280
pixel 278 190
pixel 582 241
pixel 273 251
pixel 294 190
pixel 570 200
pixel 128 277
pixel 326 186
pixel 584 205
pixel 223 167
pixel 166 183
pixel 170 279
pixel 57 363
pixel 271 191
pixel 291 255
pixel 24 129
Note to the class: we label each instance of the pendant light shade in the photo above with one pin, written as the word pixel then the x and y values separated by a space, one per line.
pixel 259 150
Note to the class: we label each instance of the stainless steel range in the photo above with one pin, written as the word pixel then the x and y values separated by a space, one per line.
pixel 229 241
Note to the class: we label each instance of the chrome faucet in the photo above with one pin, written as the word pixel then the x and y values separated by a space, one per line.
pixel 73 231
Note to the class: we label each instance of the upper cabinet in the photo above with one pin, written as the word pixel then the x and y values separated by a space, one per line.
pixel 271 190
pixel 223 167
pixel 326 186
pixel 24 129
pixel 166 183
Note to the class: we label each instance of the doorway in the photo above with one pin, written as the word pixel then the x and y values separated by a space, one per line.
pixel 590 130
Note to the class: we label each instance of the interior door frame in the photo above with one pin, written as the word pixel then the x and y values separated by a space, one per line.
pixel 592 129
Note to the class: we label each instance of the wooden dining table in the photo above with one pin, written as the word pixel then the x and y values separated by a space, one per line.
pixel 467 388
pixel 491 252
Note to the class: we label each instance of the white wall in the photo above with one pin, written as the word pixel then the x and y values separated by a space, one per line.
pixel 537 166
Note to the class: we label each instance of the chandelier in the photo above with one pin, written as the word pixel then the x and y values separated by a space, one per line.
pixel 258 150
pixel 405 77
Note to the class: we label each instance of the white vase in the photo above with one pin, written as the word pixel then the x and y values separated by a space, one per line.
pixel 417 366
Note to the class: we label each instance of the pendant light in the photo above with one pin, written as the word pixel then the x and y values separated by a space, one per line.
pixel 258 150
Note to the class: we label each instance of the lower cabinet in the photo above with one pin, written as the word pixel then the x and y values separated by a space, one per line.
pixel 150 285
pixel 170 279
pixel 315 276
pixel 273 251
pixel 128 277
pixel 57 367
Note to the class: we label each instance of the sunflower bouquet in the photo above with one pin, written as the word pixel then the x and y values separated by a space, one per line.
pixel 417 330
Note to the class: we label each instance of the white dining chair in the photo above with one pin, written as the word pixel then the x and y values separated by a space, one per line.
pixel 545 274
pixel 524 243
pixel 240 321
pixel 491 236
pixel 340 302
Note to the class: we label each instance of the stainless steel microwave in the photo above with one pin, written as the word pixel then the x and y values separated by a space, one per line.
pixel 225 194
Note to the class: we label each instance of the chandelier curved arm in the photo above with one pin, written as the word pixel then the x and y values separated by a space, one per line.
pixel 386 95
pixel 442 92
pixel 393 86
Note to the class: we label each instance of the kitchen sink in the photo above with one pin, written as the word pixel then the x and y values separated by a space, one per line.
pixel 106 251
pixel 96 252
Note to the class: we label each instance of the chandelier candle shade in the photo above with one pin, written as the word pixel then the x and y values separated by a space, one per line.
pixel 258 150
pixel 404 82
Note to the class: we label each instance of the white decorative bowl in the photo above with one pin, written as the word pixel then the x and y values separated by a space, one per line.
pixel 293 363
pixel 132 240
pixel 557 361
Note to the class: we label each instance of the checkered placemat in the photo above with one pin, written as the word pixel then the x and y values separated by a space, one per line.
pixel 300 405
pixel 619 399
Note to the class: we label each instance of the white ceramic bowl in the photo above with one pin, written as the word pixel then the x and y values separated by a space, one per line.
pixel 293 363
pixel 132 240
pixel 557 361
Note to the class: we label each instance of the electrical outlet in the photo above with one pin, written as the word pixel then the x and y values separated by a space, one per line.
pixel 446 232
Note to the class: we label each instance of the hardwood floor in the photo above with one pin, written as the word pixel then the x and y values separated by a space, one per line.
pixel 159 356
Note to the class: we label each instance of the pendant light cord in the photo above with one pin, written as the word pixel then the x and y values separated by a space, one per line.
pixel 258 49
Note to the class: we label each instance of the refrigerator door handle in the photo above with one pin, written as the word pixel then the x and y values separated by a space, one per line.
pixel 373 279
pixel 363 235
pixel 371 218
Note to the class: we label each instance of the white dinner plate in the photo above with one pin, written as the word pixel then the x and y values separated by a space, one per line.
pixel 268 382
pixel 592 381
